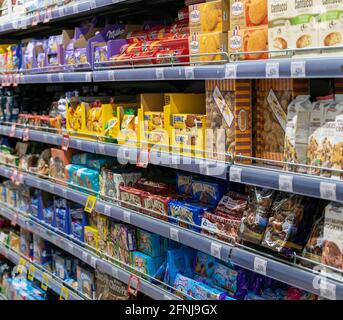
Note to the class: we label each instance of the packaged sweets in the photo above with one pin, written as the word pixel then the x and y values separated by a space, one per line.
pixel 58 162
pixel 152 186
pixel 109 288
pixel 297 132
pixel 91 237
pixel 103 226
pixel 123 235
pixel 144 263
pixel 204 264
pixel 207 192
pixel 205 292
pixel 43 162
pixel 186 215
pixel 248 13
pixel 131 198
pixel 255 218
pixel 85 281
pixel 41 251
pixel 184 184
pixel 233 205
pixel 333 239
pixel 14 241
pixel 88 180
pixel 286 215
pixel 153 121
pixel 151 244
pixel 314 247
pixel 26 243
pixel 157 205
pixel 184 286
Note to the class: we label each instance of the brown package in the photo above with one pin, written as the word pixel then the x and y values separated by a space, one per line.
pixel 131 196
pixel 270 135
pixel 229 114
pixel 155 203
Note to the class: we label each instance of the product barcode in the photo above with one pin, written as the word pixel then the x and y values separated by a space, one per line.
pixel 328 190
pixel 216 250
pixel 260 266
pixel 230 71
pixel 159 73
pixel 286 183
pixel 235 174
pixel 272 70
pixel 298 69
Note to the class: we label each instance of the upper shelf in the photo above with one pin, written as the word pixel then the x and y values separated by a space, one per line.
pixel 324 67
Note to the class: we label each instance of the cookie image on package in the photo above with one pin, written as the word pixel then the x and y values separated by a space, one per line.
pixel 332 255
pixel 257 11
pixel 304 41
pixel 211 17
pixel 256 41
pixel 280 43
pixel 332 39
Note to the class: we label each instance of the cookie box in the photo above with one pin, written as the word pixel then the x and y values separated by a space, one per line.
pixel 85 281
pixel 248 40
pixel 91 237
pixel 205 292
pixel 184 183
pixel 131 198
pixel 151 244
pixel 58 162
pixel 208 47
pixel 228 119
pixel 145 264
pixel 123 235
pixel 157 206
pixel 184 287
pixel 207 192
pixel 152 186
pixel 209 17
pixel 153 120
pixel 233 205
pixel 41 251
pixel 186 215
pixel 248 13
pixel 204 264
pixel 103 226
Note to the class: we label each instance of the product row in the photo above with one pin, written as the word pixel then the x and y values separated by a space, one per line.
pixel 280 222
pixel 204 32
pixel 266 119
pixel 189 274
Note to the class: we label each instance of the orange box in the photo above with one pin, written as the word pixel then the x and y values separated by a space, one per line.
pixel 248 40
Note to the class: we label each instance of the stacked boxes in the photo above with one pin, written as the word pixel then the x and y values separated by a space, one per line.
pixel 208 24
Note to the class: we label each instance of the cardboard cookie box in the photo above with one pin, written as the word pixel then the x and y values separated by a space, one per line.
pixel 272 100
pixel 248 13
pixel 229 117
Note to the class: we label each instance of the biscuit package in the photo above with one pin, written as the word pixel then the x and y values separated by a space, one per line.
pixel 273 99
pixel 333 239
pixel 208 17
pixel 207 47
pixel 254 39
pixel 304 25
pixel 331 25
pixel 314 247
pixel 279 27
pixel 229 117
pixel 248 13
pixel 297 132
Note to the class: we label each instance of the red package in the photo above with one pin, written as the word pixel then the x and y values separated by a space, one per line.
pixel 156 203
pixel 122 59
pixel 220 227
pixel 152 186
pixel 137 36
pixel 183 14
pixel 144 57
pixel 232 205
pixel 132 196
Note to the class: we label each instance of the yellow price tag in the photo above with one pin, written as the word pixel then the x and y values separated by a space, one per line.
pixel 45 281
pixel 90 204
pixel 31 273
pixel 21 265
pixel 64 293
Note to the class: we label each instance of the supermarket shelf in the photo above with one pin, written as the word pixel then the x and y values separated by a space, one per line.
pixel 60 77
pixel 63 12
pixel 195 165
pixel 288 273
pixel 307 185
pixel 85 255
pixel 54 285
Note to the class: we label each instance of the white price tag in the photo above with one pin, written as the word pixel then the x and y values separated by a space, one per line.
pixel 216 250
pixel 114 272
pixel 45 138
pixel 204 168
pixel 107 210
pixel 327 290
pixel 88 77
pixel 52 188
pixel 189 73
pixel 159 74
pixel 328 190
pixel 49 78
pixel 64 193
pixel 38 184
pixel 93 262
pixel 230 71
pixel 235 174
pixel 127 217
pixel 70 248
pixel 101 148
pixel 111 75
pixel 286 183
pixel 61 77
pixel 298 69
pixel 175 159
pixel 174 234
pixel 272 70
pixel 260 266
pixel 92 4
pixel 75 8
pixel 84 256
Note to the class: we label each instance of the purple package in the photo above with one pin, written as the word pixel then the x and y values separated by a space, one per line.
pixel 100 54
pixel 81 56
pixel 69 57
pixel 41 60
pixel 256 283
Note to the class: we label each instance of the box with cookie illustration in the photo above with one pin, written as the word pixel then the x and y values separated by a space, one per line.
pixel 330 22
pixel 210 16
pixel 279 27
pixel 304 25
pixel 273 97
pixel 248 40
pixel 248 13
pixel 228 118
pixel 208 47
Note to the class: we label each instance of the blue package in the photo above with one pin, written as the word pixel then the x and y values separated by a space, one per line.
pixel 184 184
pixel 184 286
pixel 185 212
pixel 204 292
pixel 78 221
pixel 151 243
pixel 207 192
pixel 36 207
pixel 204 264
pixel 41 251
pixel 49 216
pixel 179 261
pixel 88 179
pixel 62 215
pixel 90 160
pixel 144 263
pixel 159 274
pixel 71 170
